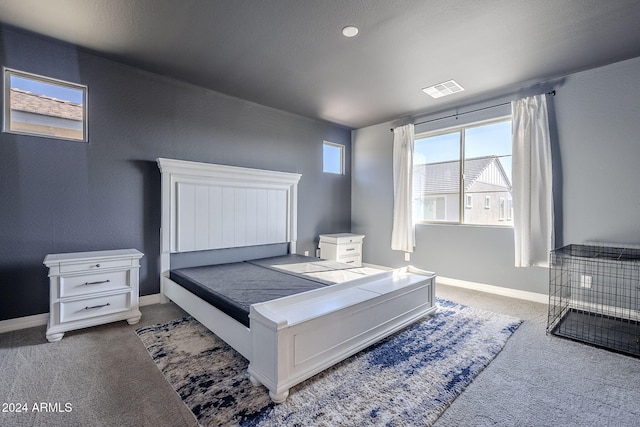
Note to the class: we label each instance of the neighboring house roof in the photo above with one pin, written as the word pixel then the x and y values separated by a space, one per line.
pixel 442 177
pixel 22 100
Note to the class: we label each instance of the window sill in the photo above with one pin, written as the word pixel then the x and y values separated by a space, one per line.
pixel 450 224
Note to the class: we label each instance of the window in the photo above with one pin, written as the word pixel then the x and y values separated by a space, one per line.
pixel 453 167
pixel 41 106
pixel 332 158
pixel 432 208
pixel 469 201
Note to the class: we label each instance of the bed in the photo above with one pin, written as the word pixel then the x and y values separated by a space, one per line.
pixel 239 227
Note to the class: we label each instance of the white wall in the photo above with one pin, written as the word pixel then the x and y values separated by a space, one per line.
pixel 596 147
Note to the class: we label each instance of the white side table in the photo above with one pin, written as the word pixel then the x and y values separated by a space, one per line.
pixel 92 288
pixel 342 247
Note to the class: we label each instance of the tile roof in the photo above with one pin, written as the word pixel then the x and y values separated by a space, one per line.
pixel 442 177
pixel 22 100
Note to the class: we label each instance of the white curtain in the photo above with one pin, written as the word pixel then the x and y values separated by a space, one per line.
pixel 403 231
pixel 532 182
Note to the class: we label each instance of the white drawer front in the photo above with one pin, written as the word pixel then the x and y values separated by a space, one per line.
pixel 347 240
pixel 91 283
pixel 95 266
pixel 355 260
pixel 348 249
pixel 93 307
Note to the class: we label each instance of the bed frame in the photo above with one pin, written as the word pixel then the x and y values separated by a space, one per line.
pixel 207 206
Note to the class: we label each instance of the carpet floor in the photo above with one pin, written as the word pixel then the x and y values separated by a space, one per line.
pixel 408 379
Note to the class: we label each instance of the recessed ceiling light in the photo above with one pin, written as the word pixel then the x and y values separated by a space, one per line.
pixel 443 89
pixel 350 31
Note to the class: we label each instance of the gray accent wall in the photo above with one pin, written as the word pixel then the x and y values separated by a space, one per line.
pixel 62 196
pixel 595 130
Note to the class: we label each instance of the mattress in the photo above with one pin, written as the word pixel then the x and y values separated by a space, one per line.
pixel 324 271
pixel 233 288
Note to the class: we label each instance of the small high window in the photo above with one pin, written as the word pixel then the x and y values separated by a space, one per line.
pixel 333 158
pixel 42 106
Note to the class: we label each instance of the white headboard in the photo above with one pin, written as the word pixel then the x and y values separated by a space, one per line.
pixel 207 206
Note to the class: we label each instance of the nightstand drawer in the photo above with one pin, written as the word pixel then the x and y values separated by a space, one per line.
pixel 93 307
pixel 348 239
pixel 92 283
pixel 95 266
pixel 348 249
pixel 354 260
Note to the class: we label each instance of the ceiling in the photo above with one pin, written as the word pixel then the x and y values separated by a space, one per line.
pixel 291 55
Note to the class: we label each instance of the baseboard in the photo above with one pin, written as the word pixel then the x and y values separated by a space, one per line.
pixel 490 289
pixel 149 299
pixel 23 322
pixel 497 290
pixel 379 267
pixel 42 319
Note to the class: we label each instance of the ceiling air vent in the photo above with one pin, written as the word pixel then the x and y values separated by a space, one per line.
pixel 443 89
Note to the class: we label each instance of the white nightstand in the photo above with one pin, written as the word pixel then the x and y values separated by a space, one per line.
pixel 92 288
pixel 342 247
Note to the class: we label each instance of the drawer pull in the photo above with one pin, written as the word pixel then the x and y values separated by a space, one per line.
pixel 350 262
pixel 350 249
pixel 97 306
pixel 97 265
pixel 96 283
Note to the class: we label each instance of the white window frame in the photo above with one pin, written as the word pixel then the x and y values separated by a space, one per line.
pixel 487 202
pixel 463 200
pixel 45 124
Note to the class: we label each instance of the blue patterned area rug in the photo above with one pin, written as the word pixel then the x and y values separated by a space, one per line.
pixel 408 379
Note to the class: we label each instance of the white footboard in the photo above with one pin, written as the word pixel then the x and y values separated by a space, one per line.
pixel 294 338
pixel 230 330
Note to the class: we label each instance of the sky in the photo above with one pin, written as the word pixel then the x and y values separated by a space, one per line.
pixel 48 89
pixel 332 159
pixel 494 139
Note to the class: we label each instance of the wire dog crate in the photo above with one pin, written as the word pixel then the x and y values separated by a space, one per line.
pixel 594 296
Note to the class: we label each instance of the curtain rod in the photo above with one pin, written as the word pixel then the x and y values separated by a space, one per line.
pixel 552 93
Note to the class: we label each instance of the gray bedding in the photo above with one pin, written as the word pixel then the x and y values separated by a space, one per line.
pixel 232 288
